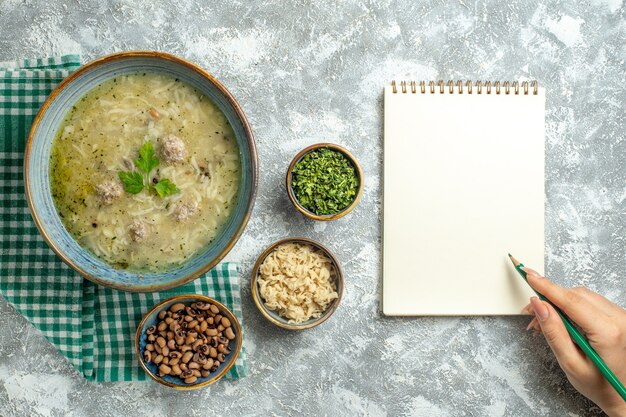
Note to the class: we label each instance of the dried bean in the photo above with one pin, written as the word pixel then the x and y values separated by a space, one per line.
pixel 158 359
pixel 214 309
pixel 161 341
pixel 213 352
pixel 150 347
pixel 208 364
pixel 225 322
pixel 165 351
pixel 190 380
pixel 196 373
pixel 151 330
pixel 147 356
pixel 162 326
pixel 164 370
pixel 211 332
pixel 229 333
pixel 177 307
pixel 187 357
pixel 176 369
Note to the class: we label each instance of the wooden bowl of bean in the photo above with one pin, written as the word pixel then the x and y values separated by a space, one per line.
pixel 188 341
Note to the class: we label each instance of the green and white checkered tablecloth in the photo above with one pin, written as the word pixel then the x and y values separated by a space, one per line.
pixel 94 327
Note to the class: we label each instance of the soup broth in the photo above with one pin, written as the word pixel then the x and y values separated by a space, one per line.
pixel 137 209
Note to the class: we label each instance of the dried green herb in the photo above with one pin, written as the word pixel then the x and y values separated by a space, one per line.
pixel 324 181
pixel 135 181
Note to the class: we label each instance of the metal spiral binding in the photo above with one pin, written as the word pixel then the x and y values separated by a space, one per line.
pixel 507 86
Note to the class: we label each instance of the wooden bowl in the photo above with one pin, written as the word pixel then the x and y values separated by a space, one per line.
pixel 151 319
pixel 273 316
pixel 292 195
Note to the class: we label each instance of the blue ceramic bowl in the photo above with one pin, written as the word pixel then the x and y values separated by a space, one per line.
pixel 37 167
pixel 151 319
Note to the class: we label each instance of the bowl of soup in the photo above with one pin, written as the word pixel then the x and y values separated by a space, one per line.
pixel 141 171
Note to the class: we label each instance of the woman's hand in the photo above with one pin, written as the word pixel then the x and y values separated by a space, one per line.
pixel 604 325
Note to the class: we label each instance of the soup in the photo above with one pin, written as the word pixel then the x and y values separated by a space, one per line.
pixel 144 171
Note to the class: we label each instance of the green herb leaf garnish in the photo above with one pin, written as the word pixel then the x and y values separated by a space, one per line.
pixel 146 161
pixel 135 181
pixel 165 188
pixel 324 181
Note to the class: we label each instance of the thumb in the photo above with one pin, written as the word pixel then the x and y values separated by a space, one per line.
pixel 556 335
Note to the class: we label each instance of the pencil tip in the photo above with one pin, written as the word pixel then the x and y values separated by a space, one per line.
pixel 515 262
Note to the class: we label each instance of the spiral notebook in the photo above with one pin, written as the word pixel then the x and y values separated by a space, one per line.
pixel 463 186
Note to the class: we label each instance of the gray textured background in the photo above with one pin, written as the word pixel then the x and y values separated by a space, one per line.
pixel 307 71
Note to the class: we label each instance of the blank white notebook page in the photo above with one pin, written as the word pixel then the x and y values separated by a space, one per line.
pixel 463 186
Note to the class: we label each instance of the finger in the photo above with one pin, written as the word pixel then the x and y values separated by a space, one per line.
pixel 527 309
pixel 599 301
pixel 566 352
pixel 534 324
pixel 572 302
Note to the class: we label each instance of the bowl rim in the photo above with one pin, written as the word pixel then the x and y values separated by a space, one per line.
pixel 300 207
pixel 240 115
pixel 256 296
pixel 214 378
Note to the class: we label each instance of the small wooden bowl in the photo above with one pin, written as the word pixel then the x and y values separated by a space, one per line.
pixel 273 316
pixel 292 195
pixel 151 319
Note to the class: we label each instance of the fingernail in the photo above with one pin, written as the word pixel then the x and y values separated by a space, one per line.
pixel 531 272
pixel 541 311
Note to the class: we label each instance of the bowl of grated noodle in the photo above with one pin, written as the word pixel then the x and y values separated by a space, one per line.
pixel 297 283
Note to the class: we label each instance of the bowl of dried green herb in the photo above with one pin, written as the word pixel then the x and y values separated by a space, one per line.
pixel 324 181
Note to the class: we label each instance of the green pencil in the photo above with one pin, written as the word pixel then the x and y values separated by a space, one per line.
pixel 578 338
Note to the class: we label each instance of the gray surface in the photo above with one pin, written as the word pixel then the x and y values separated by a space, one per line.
pixel 311 71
